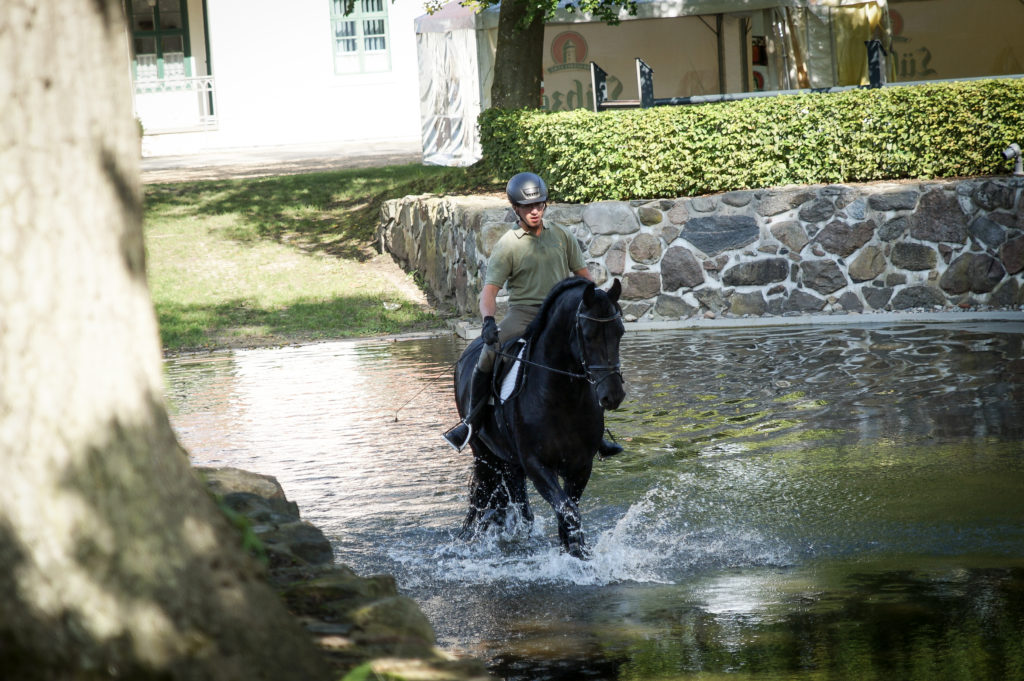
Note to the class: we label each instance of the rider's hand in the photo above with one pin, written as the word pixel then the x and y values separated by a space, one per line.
pixel 490 331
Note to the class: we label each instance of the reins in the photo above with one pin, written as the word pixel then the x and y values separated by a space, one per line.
pixel 587 374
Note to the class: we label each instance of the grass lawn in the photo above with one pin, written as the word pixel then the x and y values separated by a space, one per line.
pixel 275 260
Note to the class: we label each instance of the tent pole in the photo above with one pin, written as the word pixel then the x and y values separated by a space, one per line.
pixel 719 23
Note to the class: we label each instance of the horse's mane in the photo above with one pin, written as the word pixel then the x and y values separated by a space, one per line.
pixel 569 283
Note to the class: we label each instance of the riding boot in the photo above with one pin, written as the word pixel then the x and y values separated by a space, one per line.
pixel 606 448
pixel 479 394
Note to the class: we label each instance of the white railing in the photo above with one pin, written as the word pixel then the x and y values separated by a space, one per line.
pixel 176 104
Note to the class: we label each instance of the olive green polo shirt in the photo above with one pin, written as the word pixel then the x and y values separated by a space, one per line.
pixel 533 264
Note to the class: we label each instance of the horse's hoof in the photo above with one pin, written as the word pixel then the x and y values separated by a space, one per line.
pixel 579 550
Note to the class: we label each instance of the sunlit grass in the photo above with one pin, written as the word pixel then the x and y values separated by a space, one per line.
pixel 284 259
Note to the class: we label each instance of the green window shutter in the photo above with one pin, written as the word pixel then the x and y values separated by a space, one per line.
pixel 160 40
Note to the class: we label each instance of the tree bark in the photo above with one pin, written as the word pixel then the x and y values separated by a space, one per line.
pixel 114 560
pixel 518 59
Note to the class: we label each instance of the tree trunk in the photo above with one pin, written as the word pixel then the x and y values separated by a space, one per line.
pixel 114 560
pixel 518 60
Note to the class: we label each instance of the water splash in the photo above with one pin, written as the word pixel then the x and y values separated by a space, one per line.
pixel 656 541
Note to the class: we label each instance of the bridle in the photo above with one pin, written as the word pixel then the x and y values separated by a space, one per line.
pixel 589 370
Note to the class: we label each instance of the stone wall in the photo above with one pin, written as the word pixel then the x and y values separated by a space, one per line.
pixel 790 250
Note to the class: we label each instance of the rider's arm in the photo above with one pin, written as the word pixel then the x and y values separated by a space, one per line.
pixel 583 272
pixel 489 300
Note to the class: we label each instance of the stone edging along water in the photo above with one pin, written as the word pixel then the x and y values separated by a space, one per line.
pixel 821 249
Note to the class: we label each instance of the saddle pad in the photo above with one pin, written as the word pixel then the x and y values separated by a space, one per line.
pixel 511 380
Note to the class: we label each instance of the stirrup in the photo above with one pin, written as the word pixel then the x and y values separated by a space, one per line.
pixel 458 436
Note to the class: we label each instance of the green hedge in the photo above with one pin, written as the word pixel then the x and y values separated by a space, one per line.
pixel 920 132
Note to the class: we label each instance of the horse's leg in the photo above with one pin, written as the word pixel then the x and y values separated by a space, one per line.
pixel 485 484
pixel 570 524
pixel 518 495
pixel 576 480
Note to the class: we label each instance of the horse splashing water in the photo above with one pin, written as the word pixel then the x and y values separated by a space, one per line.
pixel 550 427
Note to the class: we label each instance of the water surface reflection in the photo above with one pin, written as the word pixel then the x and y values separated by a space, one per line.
pixel 795 502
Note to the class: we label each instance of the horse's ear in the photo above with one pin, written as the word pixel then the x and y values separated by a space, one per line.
pixel 615 291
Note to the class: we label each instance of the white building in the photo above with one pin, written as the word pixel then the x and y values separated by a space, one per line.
pixel 211 74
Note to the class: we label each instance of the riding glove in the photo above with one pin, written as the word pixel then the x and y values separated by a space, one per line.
pixel 489 332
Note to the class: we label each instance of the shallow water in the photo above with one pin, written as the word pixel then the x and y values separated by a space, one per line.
pixel 795 502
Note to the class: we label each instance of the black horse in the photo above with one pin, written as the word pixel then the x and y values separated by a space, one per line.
pixel 551 426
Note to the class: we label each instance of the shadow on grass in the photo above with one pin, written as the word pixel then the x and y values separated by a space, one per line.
pixel 241 323
pixel 334 213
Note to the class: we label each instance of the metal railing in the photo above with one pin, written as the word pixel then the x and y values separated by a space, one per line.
pixel 195 100
pixel 645 87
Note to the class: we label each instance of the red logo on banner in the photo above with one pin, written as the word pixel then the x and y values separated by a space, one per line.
pixel 569 47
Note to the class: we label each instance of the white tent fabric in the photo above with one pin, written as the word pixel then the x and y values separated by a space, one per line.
pixel 455 48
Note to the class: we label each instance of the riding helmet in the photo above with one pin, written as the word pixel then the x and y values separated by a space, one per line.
pixel 526 188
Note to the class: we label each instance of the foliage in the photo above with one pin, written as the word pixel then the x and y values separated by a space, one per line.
pixel 282 259
pixel 602 10
pixel 921 131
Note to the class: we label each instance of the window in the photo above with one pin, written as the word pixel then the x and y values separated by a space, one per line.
pixel 159 39
pixel 360 37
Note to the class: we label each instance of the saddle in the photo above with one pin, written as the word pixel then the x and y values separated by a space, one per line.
pixel 507 374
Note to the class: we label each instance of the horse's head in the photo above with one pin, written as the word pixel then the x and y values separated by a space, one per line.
pixel 599 329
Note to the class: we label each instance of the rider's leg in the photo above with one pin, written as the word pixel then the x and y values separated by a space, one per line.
pixel 512 326
pixel 479 393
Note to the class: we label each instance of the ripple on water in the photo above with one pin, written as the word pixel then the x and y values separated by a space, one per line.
pixel 758 462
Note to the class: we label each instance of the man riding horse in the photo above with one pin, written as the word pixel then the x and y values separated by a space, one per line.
pixel 531 258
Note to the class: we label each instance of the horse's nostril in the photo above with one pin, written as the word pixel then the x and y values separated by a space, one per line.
pixel 610 402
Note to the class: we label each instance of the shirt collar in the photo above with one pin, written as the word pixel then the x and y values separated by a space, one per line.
pixel 521 231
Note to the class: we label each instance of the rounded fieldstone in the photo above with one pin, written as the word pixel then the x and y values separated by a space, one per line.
pixel 850 302
pixel 775 202
pixel 711 298
pixel 610 217
pixel 737 199
pixel 615 260
pixel 990 233
pixel 993 195
pixel 801 301
pixel 876 297
pixel 1012 255
pixel 791 234
pixel 678 214
pixel 600 245
pixel 641 285
pixel 673 308
pixel 751 303
pixel 489 234
pixel 817 211
pixel 668 233
pixel 757 272
pixel 914 257
pixel 824 276
pixel 975 272
pixel 702 204
pixel 918 296
pixel 645 248
pixel 894 229
pixel 868 265
pixel 679 267
pixel 598 272
pixel 893 200
pixel 649 215
pixel 939 218
pixel 842 238
pixel 1006 294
